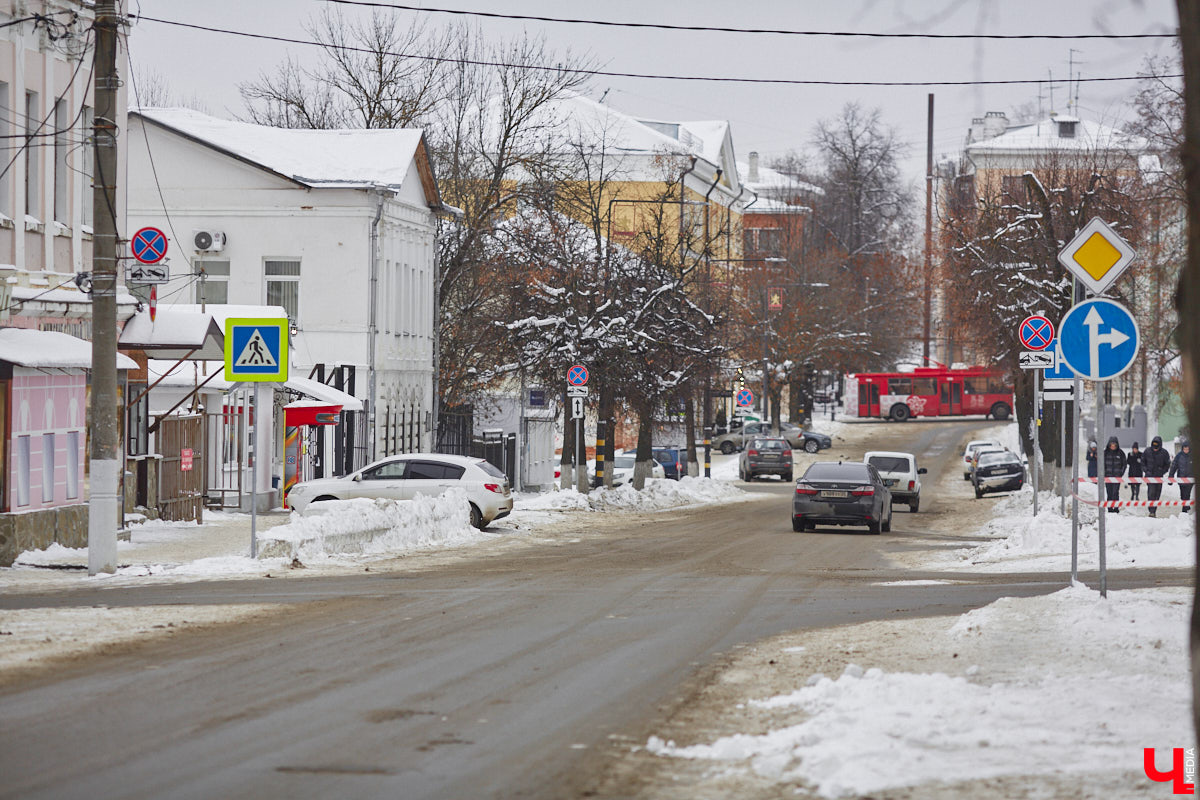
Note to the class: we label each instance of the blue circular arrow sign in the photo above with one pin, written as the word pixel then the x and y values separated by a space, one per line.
pixel 1098 339
pixel 149 245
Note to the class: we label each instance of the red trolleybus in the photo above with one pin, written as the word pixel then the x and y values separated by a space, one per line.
pixel 930 392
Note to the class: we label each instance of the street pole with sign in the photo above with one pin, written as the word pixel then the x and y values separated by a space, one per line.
pixel 1098 340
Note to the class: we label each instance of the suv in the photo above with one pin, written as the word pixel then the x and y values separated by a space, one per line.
pixel 766 455
pixel 900 474
pixel 797 437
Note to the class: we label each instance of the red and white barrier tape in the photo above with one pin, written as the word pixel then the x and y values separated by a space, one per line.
pixel 1131 503
pixel 1138 480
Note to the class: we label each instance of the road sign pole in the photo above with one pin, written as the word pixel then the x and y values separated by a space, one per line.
pixel 254 478
pixel 1033 424
pixel 1075 481
pixel 1100 489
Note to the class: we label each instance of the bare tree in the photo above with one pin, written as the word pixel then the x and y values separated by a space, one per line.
pixel 373 75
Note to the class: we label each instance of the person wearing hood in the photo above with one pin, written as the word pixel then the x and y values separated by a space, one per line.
pixel 1091 459
pixel 1155 463
pixel 1114 467
pixel 1134 459
pixel 1182 467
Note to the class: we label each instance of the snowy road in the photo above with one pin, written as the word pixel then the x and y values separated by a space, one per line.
pixel 510 675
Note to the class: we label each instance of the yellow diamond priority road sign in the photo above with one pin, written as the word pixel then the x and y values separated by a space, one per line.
pixel 1096 256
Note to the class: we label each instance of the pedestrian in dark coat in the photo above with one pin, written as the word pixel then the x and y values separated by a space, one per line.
pixel 1182 467
pixel 1114 467
pixel 1091 459
pixel 1135 471
pixel 1155 463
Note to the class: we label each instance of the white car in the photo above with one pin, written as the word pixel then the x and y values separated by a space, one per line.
pixel 622 468
pixel 969 453
pixel 406 476
pixel 900 473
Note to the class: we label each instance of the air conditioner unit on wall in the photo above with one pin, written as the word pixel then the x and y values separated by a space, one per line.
pixel 208 241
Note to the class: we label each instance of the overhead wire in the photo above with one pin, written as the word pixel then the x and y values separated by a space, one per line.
pixel 725 29
pixel 614 74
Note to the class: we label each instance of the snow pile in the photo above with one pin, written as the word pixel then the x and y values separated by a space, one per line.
pixel 869 731
pixel 1020 541
pixel 373 527
pixel 659 493
pixel 54 556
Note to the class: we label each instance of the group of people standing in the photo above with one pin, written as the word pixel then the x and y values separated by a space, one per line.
pixel 1155 462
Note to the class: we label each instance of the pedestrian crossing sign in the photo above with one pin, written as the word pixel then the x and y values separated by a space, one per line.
pixel 256 349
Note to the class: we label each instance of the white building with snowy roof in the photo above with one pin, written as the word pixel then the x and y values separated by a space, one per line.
pixel 335 226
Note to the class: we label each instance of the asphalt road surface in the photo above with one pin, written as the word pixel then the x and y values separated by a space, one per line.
pixel 504 677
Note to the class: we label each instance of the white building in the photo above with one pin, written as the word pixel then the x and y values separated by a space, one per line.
pixel 337 227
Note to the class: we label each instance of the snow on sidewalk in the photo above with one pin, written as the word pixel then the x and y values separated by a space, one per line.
pixel 1064 683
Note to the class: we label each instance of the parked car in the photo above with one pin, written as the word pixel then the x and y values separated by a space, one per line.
pixel 901 474
pixel 997 471
pixel 797 437
pixel 979 451
pixel 622 468
pixel 969 452
pixel 841 493
pixel 405 476
pixel 766 455
pixel 673 461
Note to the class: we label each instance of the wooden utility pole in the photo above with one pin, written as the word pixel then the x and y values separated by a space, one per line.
pixel 1188 298
pixel 928 233
pixel 104 455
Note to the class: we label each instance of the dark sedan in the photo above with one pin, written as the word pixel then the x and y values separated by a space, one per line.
pixel 998 471
pixel 841 493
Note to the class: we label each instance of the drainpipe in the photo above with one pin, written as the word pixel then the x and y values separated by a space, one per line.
pixel 373 320
pixel 682 187
pixel 729 221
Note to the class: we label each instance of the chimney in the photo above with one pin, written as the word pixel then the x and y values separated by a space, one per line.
pixel 995 123
pixel 753 176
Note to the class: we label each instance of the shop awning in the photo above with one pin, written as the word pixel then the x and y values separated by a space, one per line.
pixel 50 349
pixel 320 391
pixel 175 334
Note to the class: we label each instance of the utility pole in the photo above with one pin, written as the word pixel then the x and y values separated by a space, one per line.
pixel 104 455
pixel 928 231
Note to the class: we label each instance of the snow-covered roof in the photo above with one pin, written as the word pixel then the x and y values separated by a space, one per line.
pixel 170 373
pixel 318 158
pixel 771 183
pixel 1044 136
pixel 50 349
pixel 223 311
pixel 175 333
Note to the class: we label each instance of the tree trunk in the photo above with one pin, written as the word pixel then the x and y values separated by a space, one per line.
pixel 645 448
pixel 691 462
pixel 1187 300
pixel 566 472
pixel 607 417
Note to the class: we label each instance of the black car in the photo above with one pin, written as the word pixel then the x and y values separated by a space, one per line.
pixel 841 493
pixel 998 471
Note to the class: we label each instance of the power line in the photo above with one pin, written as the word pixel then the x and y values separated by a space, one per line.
pixel 777 31
pixel 609 74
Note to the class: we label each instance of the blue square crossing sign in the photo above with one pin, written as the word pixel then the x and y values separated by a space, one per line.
pixel 256 349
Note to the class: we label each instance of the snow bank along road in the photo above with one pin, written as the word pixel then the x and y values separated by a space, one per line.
pixel 516 672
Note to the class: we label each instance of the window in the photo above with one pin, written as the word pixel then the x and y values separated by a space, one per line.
pixel 283 286
pixel 5 130
pixel 72 464
pixel 899 385
pixel 47 467
pixel 926 387
pixel 386 472
pixel 62 202
pixel 890 463
pixel 32 178
pixel 1066 129
pixel 1015 189
pixel 23 470
pixel 214 287
pixel 426 470
pixel 87 167
pixel 765 241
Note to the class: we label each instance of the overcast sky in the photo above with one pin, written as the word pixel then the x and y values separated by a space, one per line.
pixel 771 119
